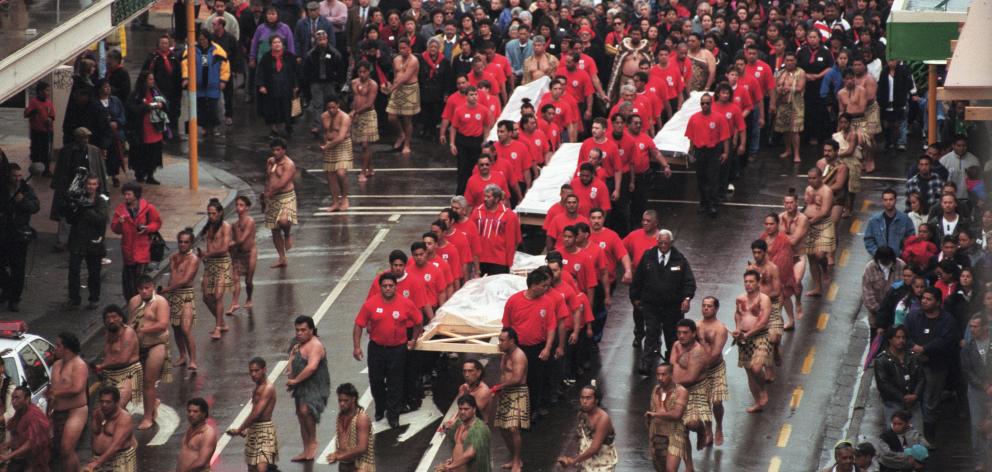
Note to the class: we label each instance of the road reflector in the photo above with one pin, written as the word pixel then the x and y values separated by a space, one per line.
pixel 856 226
pixel 865 204
pixel 845 254
pixel 797 398
pixel 832 291
pixel 775 464
pixel 783 435
pixel 821 322
pixel 808 361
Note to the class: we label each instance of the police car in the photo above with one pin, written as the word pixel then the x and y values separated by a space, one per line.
pixel 27 359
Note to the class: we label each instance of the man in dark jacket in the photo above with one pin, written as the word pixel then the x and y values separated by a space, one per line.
pixel 323 68
pixel 898 375
pixel 89 224
pixel 976 364
pixel 85 111
pixel 230 45
pixel 932 337
pixel 17 203
pixel 165 65
pixel 77 154
pixel 663 287
pixel 248 23
pixel 895 87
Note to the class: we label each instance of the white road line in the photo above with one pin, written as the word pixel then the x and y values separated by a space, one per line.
pixel 319 315
pixel 689 202
pixel 384 208
pixel 374 213
pixel 243 414
pixel 167 421
pixel 394 218
pixel 398 169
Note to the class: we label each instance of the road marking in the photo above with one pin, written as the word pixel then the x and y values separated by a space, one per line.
pixel 845 254
pixel 821 321
pixel 243 414
pixel 856 226
pixel 319 315
pixel 775 464
pixel 394 218
pixel 733 204
pixel 374 213
pixel 436 208
pixel 832 291
pixel 797 398
pixel 865 204
pixel 783 435
pixel 397 169
pixel 808 361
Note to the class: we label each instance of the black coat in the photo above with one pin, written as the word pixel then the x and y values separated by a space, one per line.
pixel 15 217
pixel 902 83
pixel 168 82
pixel 432 90
pixel 895 379
pixel 279 84
pixel 335 65
pixel 89 225
pixel 91 116
pixel 663 285
pixel 120 83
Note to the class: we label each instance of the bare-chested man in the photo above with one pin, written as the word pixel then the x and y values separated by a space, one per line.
pixel 751 333
pixel 261 444
pixel 854 100
pixel 513 405
pixel 795 226
pixel 355 445
pixel 689 371
pixel 472 371
pixel 338 152
pixel 364 120
pixel 667 437
pixel 244 254
pixel 471 450
pixel 835 175
pixel 183 266
pixel 67 403
pixel 821 240
pixel 216 264
pixel 770 284
pixel 112 430
pixel 871 123
pixel 121 366
pixel 279 199
pixel 199 441
pixel 404 95
pixel 713 334
pixel 150 319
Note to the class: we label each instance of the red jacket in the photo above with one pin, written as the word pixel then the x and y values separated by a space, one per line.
pixel 917 252
pixel 136 247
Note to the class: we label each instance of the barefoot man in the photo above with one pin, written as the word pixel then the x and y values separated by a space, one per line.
pixel 836 176
pixel 770 284
pixel 310 383
pixel 216 264
pixel 689 371
pixel 279 199
pixel 200 440
pixel 713 335
pixel 183 266
pixel 513 398
pixel 471 450
pixel 150 319
pixel 364 121
pixel 261 444
pixel 821 240
pixel 404 95
pixel 338 152
pixel 355 442
pixel 472 371
pixel 853 99
pixel 114 447
pixel 795 225
pixel 121 367
pixel 244 254
pixel 67 403
pixel 666 433
pixel 751 335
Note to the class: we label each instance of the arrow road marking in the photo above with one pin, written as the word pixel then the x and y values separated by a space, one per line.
pixel 167 421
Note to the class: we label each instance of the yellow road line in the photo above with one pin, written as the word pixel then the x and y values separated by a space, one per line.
pixel 783 435
pixel 808 361
pixel 865 204
pixel 845 254
pixel 797 398
pixel 821 321
pixel 832 291
pixel 775 464
pixel 855 226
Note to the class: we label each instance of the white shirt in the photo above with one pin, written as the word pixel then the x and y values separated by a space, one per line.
pixel 663 257
pixel 949 226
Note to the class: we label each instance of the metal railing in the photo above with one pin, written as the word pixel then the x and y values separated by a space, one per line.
pixel 124 9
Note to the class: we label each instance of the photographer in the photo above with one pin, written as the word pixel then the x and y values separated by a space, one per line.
pixel 17 203
pixel 77 154
pixel 88 217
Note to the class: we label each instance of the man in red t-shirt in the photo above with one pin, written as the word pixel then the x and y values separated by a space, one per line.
pixel 387 318
pixel 406 286
pixel 499 66
pixel 578 83
pixel 463 234
pixel 433 275
pixel 452 270
pixel 479 74
pixel 609 150
pixel 566 110
pixel 725 106
pixel 547 126
pixel 499 232
pixel 641 107
pixel 448 251
pixel 667 72
pixel 470 123
pixel 592 191
pixel 533 314
pixel 514 152
pixel 569 216
pixel 478 182
pixel 762 80
pixel 558 208
pixel 536 141
pixel 641 151
pixel 709 143
pixel 637 243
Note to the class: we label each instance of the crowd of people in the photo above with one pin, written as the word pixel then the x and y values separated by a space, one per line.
pixel 441 72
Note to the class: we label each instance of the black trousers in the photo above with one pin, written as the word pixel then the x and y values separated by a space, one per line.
pixel 617 218
pixel 487 268
pixel 817 123
pixel 708 175
pixel 469 148
pixel 41 146
pixel 145 159
pixel 93 266
pixel 639 197
pixel 13 261
pixel 229 97
pixel 386 377
pixel 536 375
pixel 638 320
pixel 129 279
pixel 659 319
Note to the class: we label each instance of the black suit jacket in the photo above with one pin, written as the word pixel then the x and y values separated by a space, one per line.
pixel 670 284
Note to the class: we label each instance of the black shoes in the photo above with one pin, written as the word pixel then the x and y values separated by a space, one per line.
pixel 637 342
pixel 379 415
pixel 394 422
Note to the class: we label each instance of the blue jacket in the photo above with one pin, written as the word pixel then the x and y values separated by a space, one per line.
pixel 303 33
pixel 939 345
pixel 214 60
pixel 516 56
pixel 832 82
pixel 900 229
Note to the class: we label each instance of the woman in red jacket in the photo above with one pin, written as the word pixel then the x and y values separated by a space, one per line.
pixel 135 220
pixel 919 248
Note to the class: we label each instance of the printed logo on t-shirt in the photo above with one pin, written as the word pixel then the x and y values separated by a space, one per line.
pixel 671 82
pixel 593 191
pixel 396 315
pixel 712 125
pixel 640 146
pixel 513 155
pixel 578 267
pixel 468 116
pixel 378 310
pixel 537 142
pixel 729 115
pixel 575 83
pixel 602 244
pixel 427 277
pixel 478 116
pixel 406 294
pixel 557 111
pixel 543 313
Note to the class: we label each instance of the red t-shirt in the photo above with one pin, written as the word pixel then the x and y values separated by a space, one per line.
pixel 572 302
pixel 471 232
pixel 433 278
pixel 624 150
pixel 637 243
pixel 492 73
pixel 451 255
pixel 732 113
pixel 594 195
pixel 500 63
pixel 707 131
pixel 611 154
pixel 517 155
pixel 566 111
pixel 470 121
pixel 474 189
pixel 551 131
pixel 578 84
pixel 387 320
pixel 44 110
pixel 537 143
pixel 454 100
pixel 763 74
pixel 743 98
pixel 459 239
pixel 499 234
pixel 407 287
pixel 641 108
pixel 491 101
pixel 553 212
pixel 658 85
pixel 670 76
pixel 447 272
pixel 640 149
pixel 612 247
pixel 651 99
pixel 582 265
pixel 561 221
pixel 531 319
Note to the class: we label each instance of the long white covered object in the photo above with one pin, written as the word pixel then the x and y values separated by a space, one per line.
pixel 533 90
pixel 545 190
pixel 479 303
pixel 671 138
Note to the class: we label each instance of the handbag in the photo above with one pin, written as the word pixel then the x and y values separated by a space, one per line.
pixel 157 248
pixel 297 107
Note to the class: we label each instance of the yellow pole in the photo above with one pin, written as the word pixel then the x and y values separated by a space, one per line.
pixel 192 132
pixel 932 104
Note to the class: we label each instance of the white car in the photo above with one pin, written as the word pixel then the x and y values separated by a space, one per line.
pixel 27 359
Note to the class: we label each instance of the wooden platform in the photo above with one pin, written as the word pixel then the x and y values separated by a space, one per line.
pixel 457 337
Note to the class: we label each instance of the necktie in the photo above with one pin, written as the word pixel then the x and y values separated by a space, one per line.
pixel 364 13
pixel 313 33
